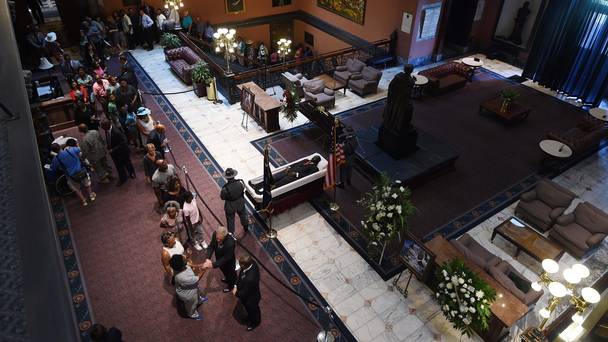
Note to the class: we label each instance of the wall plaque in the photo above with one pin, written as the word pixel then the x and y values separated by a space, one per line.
pixel 429 21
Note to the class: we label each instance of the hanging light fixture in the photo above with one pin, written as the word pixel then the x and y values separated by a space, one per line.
pixel 174 4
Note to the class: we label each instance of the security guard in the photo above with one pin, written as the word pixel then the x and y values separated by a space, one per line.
pixel 234 201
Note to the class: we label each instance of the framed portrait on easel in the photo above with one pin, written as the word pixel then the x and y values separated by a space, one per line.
pixel 235 6
pixel 416 257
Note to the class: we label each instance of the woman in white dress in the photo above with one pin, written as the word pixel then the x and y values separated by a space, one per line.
pixel 171 247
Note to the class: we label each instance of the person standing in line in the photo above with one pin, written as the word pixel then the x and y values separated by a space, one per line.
pixel 147 27
pixel 186 286
pixel 350 143
pixel 193 221
pixel 223 244
pixel 119 151
pixel 164 171
pixel 127 28
pixel 158 138
pixel 94 149
pixel 150 159
pixel 171 246
pixel 34 6
pixel 233 194
pixel 247 290
pixel 160 20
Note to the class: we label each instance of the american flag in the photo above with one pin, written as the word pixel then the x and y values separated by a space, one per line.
pixel 336 157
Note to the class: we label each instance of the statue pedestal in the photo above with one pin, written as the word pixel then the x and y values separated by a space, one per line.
pixel 397 145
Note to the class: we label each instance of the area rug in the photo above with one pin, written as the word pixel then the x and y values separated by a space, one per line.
pixel 497 161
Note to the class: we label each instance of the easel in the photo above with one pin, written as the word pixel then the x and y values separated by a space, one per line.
pixel 403 291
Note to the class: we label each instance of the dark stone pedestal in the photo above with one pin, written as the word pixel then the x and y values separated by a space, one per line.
pixel 397 145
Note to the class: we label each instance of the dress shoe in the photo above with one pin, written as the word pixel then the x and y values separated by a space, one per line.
pixel 132 175
pixel 121 182
pixel 226 290
pixel 250 328
pixel 223 280
pixel 340 185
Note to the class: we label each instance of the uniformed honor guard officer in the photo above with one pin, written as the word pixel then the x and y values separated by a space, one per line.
pixel 233 194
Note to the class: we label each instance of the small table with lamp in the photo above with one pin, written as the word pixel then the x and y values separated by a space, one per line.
pixel 420 82
pixel 599 113
pixel 472 62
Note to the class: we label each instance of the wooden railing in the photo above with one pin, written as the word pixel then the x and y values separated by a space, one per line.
pixel 270 75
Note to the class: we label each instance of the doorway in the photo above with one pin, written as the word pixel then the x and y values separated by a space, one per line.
pixel 458 29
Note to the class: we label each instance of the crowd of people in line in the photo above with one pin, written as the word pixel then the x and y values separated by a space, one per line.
pixel 112 120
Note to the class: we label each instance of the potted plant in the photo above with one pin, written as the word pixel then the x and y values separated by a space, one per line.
pixel 201 78
pixel 170 41
pixel 388 208
pixel 508 96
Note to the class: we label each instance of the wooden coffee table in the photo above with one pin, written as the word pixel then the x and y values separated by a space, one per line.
pixel 516 111
pixel 332 83
pixel 527 239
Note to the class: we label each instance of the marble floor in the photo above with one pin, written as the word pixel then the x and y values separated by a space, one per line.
pixel 371 308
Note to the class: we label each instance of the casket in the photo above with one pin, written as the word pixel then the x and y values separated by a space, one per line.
pixel 294 193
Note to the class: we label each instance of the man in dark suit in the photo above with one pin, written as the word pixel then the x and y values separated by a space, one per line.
pixel 248 290
pixel 233 193
pixel 223 244
pixel 119 150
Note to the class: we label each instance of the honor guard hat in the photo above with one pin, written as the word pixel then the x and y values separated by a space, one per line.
pixel 230 173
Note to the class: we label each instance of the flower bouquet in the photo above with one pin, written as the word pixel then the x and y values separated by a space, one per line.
pixel 388 208
pixel 464 297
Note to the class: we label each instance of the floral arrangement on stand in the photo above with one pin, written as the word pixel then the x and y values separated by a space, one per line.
pixel 464 297
pixel 290 105
pixel 388 208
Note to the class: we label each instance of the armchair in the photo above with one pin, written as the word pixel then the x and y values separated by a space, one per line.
pixel 366 82
pixel 515 282
pixel 544 204
pixel 580 231
pixel 182 61
pixel 475 252
pixel 316 92
pixel 344 72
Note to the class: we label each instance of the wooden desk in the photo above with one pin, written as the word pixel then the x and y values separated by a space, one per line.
pixel 506 310
pixel 265 109
pixel 515 113
pixel 60 112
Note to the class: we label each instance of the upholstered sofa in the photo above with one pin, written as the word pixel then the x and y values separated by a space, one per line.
pixel 475 252
pixel 447 77
pixel 587 134
pixel 515 282
pixel 291 81
pixel 580 231
pixel 366 82
pixel 294 193
pixel 344 72
pixel 315 91
pixel 542 205
pixel 182 61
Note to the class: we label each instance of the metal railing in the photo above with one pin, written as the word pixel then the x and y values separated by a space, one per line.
pixel 270 75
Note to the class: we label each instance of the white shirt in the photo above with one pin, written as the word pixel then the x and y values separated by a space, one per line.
pixel 191 210
pixel 160 19
pixel 127 26
pixel 146 22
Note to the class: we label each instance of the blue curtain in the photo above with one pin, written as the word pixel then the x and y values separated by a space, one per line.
pixel 570 49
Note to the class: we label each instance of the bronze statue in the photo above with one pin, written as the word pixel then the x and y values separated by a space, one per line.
pixel 520 21
pixel 397 136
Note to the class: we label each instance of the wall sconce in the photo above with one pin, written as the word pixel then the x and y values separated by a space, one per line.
pixel 224 40
pixel 572 276
pixel 175 4
pixel 284 48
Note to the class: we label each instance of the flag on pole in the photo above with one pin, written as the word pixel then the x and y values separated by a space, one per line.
pixel 268 181
pixel 330 175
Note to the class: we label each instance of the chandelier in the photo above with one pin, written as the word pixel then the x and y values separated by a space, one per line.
pixel 284 48
pixel 573 276
pixel 174 4
pixel 225 40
